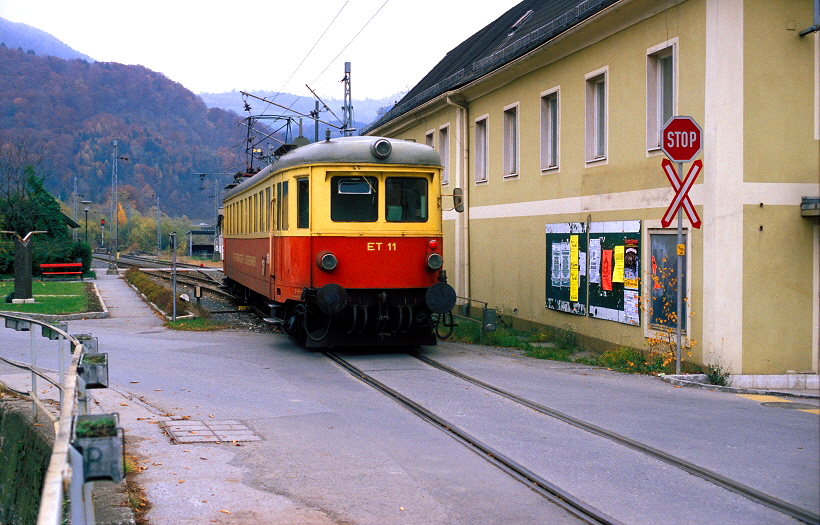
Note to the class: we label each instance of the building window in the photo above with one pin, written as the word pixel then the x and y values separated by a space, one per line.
pixel 511 141
pixel 663 281
pixel 596 116
pixel 481 150
pixel 660 92
pixel 549 130
pixel 444 151
pixel 429 139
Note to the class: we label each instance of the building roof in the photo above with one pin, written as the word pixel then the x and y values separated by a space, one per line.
pixel 515 33
pixel 71 223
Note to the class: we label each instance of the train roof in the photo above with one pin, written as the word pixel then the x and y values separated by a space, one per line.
pixel 349 150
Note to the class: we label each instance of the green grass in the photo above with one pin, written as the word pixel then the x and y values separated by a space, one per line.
pixel 197 324
pixel 53 298
pixel 561 344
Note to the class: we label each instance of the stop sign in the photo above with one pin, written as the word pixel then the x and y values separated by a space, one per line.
pixel 681 139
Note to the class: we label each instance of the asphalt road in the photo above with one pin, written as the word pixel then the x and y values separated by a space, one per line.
pixel 324 448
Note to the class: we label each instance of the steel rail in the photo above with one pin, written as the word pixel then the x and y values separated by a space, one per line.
pixel 534 482
pixel 708 475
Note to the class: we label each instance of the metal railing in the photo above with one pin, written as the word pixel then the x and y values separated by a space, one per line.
pixel 65 467
pixel 488 320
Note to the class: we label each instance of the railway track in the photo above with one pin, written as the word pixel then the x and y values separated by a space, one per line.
pixel 209 279
pixel 553 493
pixel 549 490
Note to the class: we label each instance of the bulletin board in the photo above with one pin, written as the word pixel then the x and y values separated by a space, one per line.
pixel 567 267
pixel 614 271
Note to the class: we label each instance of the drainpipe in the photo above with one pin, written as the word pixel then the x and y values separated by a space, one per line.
pixel 816 26
pixel 462 229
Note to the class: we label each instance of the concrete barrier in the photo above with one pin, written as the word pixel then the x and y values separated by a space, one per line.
pixel 25 451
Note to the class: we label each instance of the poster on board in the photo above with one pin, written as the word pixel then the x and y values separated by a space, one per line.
pixel 566 267
pixel 614 283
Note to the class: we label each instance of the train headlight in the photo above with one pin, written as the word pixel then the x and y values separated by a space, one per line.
pixel 434 261
pixel 327 261
pixel 381 148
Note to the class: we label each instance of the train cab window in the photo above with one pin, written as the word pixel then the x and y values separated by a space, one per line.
pixel 405 199
pixel 354 199
pixel 302 203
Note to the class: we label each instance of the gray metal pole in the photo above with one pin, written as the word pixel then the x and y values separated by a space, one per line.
pixel 159 230
pixel 679 278
pixel 116 202
pixel 316 123
pixel 33 375
pixel 74 230
pixel 174 273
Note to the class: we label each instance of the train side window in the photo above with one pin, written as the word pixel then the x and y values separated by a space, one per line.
pixel 285 208
pixel 261 211
pixel 354 199
pixel 278 212
pixel 405 199
pixel 302 203
pixel 267 210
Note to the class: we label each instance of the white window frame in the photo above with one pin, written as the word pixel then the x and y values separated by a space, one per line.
pixel 655 83
pixel 550 129
pixel 597 116
pixel 444 152
pixel 512 142
pixel 430 138
pixel 482 149
pixel 650 228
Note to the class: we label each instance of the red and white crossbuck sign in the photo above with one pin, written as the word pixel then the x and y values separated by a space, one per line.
pixel 681 192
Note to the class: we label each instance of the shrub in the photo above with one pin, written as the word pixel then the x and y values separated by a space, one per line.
pixel 156 293
pixel 625 359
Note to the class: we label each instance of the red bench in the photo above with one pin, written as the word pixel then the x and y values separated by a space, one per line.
pixel 65 269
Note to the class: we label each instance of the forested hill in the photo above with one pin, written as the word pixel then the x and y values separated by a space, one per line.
pixel 75 109
pixel 27 38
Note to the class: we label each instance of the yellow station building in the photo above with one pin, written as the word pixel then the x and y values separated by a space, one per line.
pixel 550 119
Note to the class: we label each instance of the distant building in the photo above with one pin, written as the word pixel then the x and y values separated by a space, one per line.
pixel 549 118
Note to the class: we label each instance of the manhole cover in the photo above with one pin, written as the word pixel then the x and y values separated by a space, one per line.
pixel 210 431
pixel 788 404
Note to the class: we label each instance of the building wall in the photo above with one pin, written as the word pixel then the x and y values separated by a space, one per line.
pixel 759 144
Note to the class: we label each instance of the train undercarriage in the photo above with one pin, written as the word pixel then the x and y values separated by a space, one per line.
pixel 332 316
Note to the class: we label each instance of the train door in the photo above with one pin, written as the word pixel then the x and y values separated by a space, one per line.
pixel 270 226
pixel 281 214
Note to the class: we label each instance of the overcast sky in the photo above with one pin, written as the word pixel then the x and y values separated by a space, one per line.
pixel 215 46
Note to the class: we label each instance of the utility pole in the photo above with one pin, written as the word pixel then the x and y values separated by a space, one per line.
pixel 204 177
pixel 73 230
pixel 315 115
pixel 115 209
pixel 112 266
pixel 347 125
pixel 159 230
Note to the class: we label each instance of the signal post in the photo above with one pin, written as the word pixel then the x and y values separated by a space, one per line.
pixel 681 141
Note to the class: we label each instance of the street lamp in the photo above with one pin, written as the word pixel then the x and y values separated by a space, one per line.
pixel 76 196
pixel 86 219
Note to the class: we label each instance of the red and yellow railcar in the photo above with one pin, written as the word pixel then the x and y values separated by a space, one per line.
pixel 342 240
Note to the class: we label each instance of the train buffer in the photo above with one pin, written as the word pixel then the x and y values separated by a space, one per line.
pixel 274 318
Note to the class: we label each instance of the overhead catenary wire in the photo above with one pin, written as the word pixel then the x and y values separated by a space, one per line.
pixel 351 40
pixel 308 54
